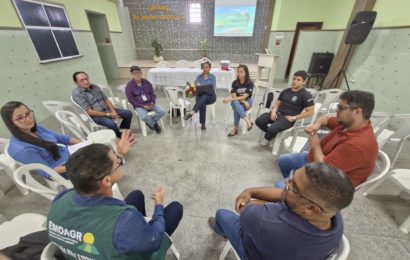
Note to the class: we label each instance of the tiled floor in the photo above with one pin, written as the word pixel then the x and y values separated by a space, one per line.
pixel 206 171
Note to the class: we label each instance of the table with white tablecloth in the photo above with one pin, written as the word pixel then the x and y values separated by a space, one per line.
pixel 179 76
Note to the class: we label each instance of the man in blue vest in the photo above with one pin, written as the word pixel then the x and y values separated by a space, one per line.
pixel 88 223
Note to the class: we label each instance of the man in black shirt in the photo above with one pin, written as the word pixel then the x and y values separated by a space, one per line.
pixel 293 103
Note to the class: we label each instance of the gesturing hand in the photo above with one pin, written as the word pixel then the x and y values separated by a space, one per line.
pixel 158 196
pixel 126 142
pixel 314 140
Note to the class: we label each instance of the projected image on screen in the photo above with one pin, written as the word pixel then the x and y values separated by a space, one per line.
pixel 234 18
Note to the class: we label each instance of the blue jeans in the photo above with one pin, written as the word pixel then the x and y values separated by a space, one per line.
pixel 228 225
pixel 126 116
pixel 239 111
pixel 150 120
pixel 289 162
pixel 200 106
pixel 172 212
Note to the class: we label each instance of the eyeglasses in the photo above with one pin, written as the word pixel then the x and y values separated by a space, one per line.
pixel 119 162
pixel 23 118
pixel 290 182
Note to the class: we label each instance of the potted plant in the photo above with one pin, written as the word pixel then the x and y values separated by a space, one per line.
pixel 157 50
pixel 204 47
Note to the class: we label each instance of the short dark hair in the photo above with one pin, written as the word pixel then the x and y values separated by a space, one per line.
pixel 329 184
pixel 206 62
pixel 301 73
pixel 7 114
pixel 76 73
pixel 87 166
pixel 360 99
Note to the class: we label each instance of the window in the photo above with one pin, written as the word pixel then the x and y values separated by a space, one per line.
pixel 194 14
pixel 49 30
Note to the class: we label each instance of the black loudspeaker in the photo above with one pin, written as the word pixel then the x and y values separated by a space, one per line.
pixel 320 63
pixel 360 27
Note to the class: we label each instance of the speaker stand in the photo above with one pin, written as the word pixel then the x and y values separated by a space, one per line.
pixel 341 72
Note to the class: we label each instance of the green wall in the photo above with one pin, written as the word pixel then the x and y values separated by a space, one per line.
pixel 76 11
pixel 335 13
pixel 392 13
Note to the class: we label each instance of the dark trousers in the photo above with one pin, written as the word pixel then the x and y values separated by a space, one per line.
pixel 126 116
pixel 172 213
pixel 277 126
pixel 200 105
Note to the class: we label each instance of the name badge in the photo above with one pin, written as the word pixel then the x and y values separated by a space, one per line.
pixel 144 98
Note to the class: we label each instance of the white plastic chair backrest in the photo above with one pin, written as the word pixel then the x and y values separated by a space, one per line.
pixel 381 169
pixel 173 94
pixel 23 176
pixel 53 105
pixel 73 123
pixel 84 116
pixel 328 96
pixel 399 129
pixel 197 63
pixel 49 252
pixel 311 119
pixel 182 64
pixel 163 64
pixel 342 251
pixel 19 226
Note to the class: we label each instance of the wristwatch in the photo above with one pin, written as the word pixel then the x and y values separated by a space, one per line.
pixel 107 114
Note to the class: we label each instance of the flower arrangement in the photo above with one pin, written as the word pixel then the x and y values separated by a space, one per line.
pixel 157 47
pixel 190 90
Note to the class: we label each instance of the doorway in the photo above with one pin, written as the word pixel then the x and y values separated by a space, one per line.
pixel 311 26
pixel 99 27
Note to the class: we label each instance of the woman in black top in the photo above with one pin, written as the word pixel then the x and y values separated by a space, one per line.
pixel 241 98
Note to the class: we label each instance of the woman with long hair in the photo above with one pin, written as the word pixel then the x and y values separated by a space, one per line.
pixel 241 98
pixel 33 143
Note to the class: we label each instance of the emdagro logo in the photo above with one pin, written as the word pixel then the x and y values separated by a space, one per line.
pixel 88 246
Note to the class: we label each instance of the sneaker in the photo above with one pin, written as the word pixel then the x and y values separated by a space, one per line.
pixel 157 128
pixel 203 128
pixel 187 116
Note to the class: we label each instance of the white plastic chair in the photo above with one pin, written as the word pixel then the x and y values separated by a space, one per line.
pixel 79 130
pixel 226 249
pixel 116 101
pixel 182 64
pixel 264 105
pixel 172 247
pixel 9 165
pixel 163 64
pixel 327 97
pixel 19 226
pixel 177 100
pixel 143 125
pixel 401 177
pixel 86 118
pixel 53 106
pixel 379 172
pixel 294 143
pixel 342 251
pixel 396 131
pixel 23 176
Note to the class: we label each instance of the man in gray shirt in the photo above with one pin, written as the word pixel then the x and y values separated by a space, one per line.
pixel 91 98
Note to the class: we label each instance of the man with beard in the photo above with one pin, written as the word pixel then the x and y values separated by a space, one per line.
pixel 351 145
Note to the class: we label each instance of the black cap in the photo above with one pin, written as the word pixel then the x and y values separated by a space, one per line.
pixel 134 67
